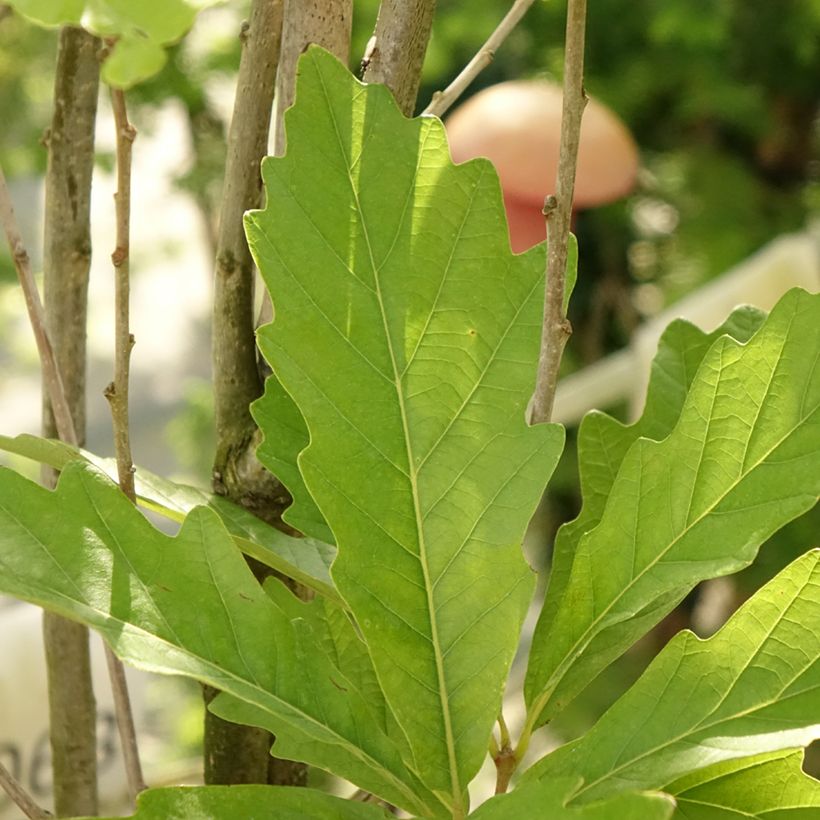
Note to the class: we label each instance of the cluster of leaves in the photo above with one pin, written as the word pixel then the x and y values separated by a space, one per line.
pixel 404 352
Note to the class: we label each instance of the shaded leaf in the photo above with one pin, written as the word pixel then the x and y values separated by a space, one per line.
pixel 304 559
pixel 752 688
pixel 765 787
pixel 189 605
pixel 742 461
pixel 407 334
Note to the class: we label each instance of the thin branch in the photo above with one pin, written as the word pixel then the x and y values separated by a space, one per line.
pixel 72 709
pixel 117 391
pixel 51 373
pixel 395 53
pixel 117 395
pixel 235 753
pixel 442 100
pixel 556 328
pixel 236 377
pixel 14 789
pixel 125 723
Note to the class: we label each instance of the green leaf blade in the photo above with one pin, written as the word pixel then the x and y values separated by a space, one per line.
pixel 285 436
pixel 539 799
pixel 603 442
pixel 306 560
pixel 742 461
pixel 409 340
pixel 189 605
pixel 769 787
pixel 752 688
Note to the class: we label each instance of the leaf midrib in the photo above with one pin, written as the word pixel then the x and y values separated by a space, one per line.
pixel 423 560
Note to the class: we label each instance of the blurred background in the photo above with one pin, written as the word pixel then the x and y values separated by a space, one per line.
pixel 721 99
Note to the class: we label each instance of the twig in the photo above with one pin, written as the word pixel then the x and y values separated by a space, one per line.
pixel 235 753
pixel 556 328
pixel 51 373
pixel 236 378
pixel 117 395
pixel 117 391
pixel 14 789
pixel 125 722
pixel 442 100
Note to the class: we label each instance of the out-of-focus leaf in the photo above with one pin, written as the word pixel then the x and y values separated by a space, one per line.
pixel 742 461
pixel 140 29
pixel 752 688
pixel 189 605
pixel 407 334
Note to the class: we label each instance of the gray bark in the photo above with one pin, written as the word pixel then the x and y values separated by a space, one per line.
pixel 396 52
pixel 67 257
pixel 323 22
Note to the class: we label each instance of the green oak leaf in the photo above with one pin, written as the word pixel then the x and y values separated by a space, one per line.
pixel 329 627
pixel 304 559
pixel 140 29
pixel 742 461
pixel 407 334
pixel 750 689
pixel 765 787
pixel 249 803
pixel 603 441
pixel 542 800
pixel 287 436
pixel 189 605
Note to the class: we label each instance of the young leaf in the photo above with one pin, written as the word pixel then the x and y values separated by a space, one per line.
pixel 742 461
pixel 140 29
pixel 766 787
pixel 189 605
pixel 303 559
pixel 270 802
pixel 539 799
pixel 752 688
pixel 407 334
